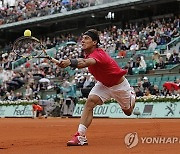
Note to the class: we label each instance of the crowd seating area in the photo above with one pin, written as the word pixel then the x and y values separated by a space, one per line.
pixel 139 48
pixel 26 9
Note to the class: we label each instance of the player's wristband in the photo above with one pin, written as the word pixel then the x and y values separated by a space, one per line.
pixel 74 63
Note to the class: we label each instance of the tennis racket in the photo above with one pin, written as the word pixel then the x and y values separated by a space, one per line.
pixel 30 47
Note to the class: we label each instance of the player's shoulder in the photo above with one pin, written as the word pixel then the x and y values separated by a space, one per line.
pixel 98 51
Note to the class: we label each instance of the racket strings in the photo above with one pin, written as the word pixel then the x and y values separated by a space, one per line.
pixel 27 47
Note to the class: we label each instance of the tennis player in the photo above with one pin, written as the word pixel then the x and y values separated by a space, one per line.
pixel 111 83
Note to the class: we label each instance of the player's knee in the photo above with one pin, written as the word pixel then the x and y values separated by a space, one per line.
pixel 128 113
pixel 91 103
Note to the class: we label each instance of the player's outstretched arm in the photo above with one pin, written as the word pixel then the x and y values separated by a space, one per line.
pixel 77 63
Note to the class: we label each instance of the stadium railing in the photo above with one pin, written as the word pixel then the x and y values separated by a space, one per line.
pixel 172 43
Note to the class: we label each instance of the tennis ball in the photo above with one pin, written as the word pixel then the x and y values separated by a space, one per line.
pixel 27 32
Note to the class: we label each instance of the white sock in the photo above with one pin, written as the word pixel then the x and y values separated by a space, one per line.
pixel 82 129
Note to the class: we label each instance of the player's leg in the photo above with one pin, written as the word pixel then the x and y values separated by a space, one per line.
pixel 125 96
pixel 86 119
pixel 40 114
pixel 87 115
pixel 97 96
pixel 37 113
pixel 34 114
pixel 129 111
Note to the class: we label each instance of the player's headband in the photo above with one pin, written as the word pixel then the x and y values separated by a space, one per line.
pixel 93 35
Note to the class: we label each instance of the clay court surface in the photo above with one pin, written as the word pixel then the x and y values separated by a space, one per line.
pixel 105 136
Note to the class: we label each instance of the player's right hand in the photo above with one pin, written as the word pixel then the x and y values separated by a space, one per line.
pixel 64 63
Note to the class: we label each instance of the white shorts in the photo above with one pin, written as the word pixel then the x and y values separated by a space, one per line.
pixel 123 93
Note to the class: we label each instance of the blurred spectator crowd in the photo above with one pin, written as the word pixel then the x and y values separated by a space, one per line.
pixel 37 76
pixel 26 9
pixel 145 89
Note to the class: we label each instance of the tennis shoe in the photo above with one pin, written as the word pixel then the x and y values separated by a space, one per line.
pixel 77 140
